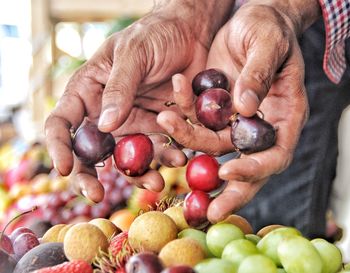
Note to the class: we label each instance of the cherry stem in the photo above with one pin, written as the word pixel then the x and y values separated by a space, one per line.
pixel 169 103
pixel 16 217
pixel 170 140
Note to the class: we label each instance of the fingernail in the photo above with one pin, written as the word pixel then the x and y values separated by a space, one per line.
pixel 249 98
pixel 108 116
pixel 84 192
pixel 176 84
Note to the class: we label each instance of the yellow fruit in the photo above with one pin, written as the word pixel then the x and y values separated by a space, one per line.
pixel 122 219
pixel 151 231
pixel 41 184
pixel 240 222
pixel 170 175
pixel 83 242
pixel 108 228
pixel 62 233
pixel 184 251
pixel 176 213
pixel 52 234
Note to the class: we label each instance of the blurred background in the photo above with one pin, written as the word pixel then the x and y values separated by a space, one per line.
pixel 42 42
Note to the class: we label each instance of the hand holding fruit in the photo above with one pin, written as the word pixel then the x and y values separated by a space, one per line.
pixel 127 82
pixel 258 50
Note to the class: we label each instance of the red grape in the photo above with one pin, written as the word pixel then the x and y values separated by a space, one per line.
pixel 210 78
pixel 202 173
pixel 144 262
pixel 23 243
pixel 252 134
pixel 179 269
pixel 214 108
pixel 195 208
pixel 133 154
pixel 91 145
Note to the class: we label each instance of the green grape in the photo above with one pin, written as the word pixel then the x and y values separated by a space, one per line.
pixel 237 250
pixel 269 243
pixel 219 235
pixel 257 264
pixel 330 254
pixel 347 266
pixel 253 238
pixel 281 270
pixel 298 255
pixel 197 235
pixel 216 265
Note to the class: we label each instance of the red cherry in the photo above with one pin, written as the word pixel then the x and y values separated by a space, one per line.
pixel 18 231
pixel 195 208
pixel 202 173
pixel 214 108
pixel 5 243
pixel 210 78
pixel 133 154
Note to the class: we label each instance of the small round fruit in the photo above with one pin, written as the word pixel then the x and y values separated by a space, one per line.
pixel 7 262
pixel 52 234
pixel 62 233
pixel 199 236
pixel 177 214
pixel 266 229
pixel 184 251
pixel 151 231
pixel 210 78
pixel 133 154
pixel 214 108
pixel 91 145
pixel 202 173
pixel 23 243
pixel 215 265
pixel 195 208
pixel 179 269
pixel 330 254
pixel 237 250
pixel 108 228
pixel 240 222
pixel 5 243
pixel 257 264
pixel 298 255
pixel 219 235
pixel 145 262
pixel 83 242
pixel 18 231
pixel 252 134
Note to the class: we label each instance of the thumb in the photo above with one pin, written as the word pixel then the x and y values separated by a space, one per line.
pixel 255 80
pixel 119 93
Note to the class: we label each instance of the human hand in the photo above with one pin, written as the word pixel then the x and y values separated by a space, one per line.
pixel 258 50
pixel 125 84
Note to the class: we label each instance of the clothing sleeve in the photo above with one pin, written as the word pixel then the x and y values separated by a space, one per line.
pixel 336 16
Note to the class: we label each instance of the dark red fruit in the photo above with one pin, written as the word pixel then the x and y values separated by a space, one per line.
pixel 252 134
pixel 133 154
pixel 202 173
pixel 5 243
pixel 18 231
pixel 7 263
pixel 214 108
pixel 195 208
pixel 210 78
pixel 91 145
pixel 179 269
pixel 144 262
pixel 23 243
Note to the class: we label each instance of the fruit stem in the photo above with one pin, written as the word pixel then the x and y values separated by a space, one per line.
pixel 169 103
pixel 170 140
pixel 16 217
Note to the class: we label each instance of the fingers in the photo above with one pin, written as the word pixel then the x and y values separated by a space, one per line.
pixel 120 91
pixel 184 97
pixel 235 196
pixel 195 137
pixel 151 180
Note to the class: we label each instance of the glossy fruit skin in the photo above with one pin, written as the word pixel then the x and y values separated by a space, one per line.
pixel 7 263
pixel 202 173
pixel 91 145
pixel 144 262
pixel 18 231
pixel 252 134
pixel 5 243
pixel 133 154
pixel 178 269
pixel 23 243
pixel 210 78
pixel 195 208
pixel 214 108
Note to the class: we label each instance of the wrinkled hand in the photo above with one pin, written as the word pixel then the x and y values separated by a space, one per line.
pixel 128 81
pixel 258 50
